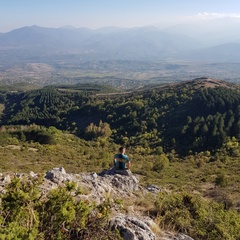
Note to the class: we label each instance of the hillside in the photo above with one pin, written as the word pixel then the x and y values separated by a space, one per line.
pixel 196 195
pixel 198 115
pixel 90 205
pixel 182 139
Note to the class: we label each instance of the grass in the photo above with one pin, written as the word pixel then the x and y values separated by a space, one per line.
pixel 194 174
pixel 70 152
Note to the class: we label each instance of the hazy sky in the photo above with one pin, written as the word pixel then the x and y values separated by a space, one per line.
pixel 101 13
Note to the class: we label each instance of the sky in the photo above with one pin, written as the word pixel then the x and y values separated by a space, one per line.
pixel 102 13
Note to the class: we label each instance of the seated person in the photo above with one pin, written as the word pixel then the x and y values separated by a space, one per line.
pixel 121 160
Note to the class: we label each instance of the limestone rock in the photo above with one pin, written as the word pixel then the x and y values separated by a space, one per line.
pixel 131 228
pixel 153 188
pixel 6 179
pixel 100 186
pixel 58 175
pixel 33 174
pixel 179 236
pixel 118 185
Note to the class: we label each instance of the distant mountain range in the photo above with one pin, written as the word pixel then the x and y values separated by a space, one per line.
pixel 185 42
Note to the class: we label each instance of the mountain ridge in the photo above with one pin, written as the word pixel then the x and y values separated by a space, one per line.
pixel 148 43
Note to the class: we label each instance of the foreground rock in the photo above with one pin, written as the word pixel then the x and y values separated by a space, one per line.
pixel 131 228
pixel 118 186
pixel 98 187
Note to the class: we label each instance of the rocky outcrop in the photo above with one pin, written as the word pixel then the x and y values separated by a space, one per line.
pixel 100 186
pixel 119 186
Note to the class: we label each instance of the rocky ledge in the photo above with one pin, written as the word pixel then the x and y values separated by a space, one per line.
pixel 132 226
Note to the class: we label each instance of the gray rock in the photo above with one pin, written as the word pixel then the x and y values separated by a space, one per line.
pixel 183 237
pixel 153 188
pixel 113 171
pixel 32 174
pixel 131 228
pixel 178 236
pixel 57 175
pixel 94 175
pixel 101 185
pixel 6 179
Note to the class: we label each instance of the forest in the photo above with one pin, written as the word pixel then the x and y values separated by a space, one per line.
pixel 185 118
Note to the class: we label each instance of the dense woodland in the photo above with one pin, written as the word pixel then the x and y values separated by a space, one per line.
pixel 185 118
pixel 183 137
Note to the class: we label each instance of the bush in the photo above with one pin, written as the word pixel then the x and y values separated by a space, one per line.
pixel 19 217
pixel 221 180
pixel 45 138
pixel 40 134
pixel 160 163
pixel 27 214
pixel 199 218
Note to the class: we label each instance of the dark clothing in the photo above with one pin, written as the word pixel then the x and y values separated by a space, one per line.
pixel 120 161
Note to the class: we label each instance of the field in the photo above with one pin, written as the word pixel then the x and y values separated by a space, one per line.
pixel 130 74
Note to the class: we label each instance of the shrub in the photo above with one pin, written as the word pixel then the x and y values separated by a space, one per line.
pixel 26 214
pixel 19 218
pixel 199 218
pixel 160 163
pixel 221 180
pixel 45 138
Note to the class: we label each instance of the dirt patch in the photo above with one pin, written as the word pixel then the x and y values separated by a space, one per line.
pixel 16 147
pixel 33 149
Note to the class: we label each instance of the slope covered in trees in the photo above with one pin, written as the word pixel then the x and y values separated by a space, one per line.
pixel 188 117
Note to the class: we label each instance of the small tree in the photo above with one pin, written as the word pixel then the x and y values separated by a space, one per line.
pixel 221 180
pixel 160 163
pixel 101 130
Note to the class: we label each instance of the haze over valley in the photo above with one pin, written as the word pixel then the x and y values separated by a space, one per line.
pixel 140 55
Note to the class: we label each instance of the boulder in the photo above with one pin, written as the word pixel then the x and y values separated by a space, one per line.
pixel 59 175
pixel 132 228
pixel 119 185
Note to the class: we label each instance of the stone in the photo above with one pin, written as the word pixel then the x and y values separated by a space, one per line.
pixel 57 175
pixel 153 188
pixel 132 228
pixel 32 174
pixel 178 236
pixel 113 171
pixel 7 179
